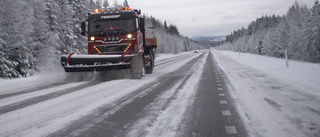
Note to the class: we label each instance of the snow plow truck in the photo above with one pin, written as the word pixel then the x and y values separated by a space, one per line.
pixel 117 39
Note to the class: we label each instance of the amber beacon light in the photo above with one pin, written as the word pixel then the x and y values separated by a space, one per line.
pixel 126 8
pixel 97 10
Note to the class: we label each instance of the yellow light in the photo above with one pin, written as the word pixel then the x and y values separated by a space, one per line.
pixel 97 10
pixel 129 36
pixel 127 48
pixel 97 49
pixel 92 38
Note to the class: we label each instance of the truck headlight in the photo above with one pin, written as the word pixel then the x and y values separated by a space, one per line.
pixel 92 38
pixel 129 36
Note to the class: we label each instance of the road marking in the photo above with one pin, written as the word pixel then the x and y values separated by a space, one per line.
pixel 226 113
pixel 221 94
pixel 217 78
pixel 223 102
pixel 219 85
pixel 218 81
pixel 231 130
pixel 220 88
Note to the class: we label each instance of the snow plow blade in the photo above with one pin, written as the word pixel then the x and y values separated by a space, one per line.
pixel 86 63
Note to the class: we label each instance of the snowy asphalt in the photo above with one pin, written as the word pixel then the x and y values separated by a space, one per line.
pixel 190 99
pixel 216 93
pixel 213 113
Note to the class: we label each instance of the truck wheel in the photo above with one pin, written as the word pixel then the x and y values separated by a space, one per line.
pixel 150 67
pixel 136 67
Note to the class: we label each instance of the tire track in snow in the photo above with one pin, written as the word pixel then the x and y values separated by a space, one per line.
pixel 90 122
pixel 117 118
pixel 58 113
pixel 171 60
pixel 163 116
pixel 49 116
pixel 212 112
pixel 40 97
pixel 29 90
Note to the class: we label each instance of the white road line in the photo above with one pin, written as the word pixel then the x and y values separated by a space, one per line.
pixel 219 85
pixel 223 102
pixel 218 81
pixel 231 130
pixel 221 94
pixel 220 88
pixel 226 113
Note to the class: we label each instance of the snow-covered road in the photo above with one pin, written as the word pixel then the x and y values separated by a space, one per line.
pixel 187 95
pixel 48 104
pixel 274 100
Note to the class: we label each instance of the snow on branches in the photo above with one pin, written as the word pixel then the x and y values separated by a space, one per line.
pixel 298 32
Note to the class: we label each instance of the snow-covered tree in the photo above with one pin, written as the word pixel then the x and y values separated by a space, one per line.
pixel 313 41
pixel 18 29
pixel 99 4
pixel 6 65
pixel 125 3
pixel 165 25
pixel 116 4
pixel 297 32
pixel 105 4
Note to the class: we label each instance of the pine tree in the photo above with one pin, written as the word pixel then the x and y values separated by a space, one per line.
pixel 18 35
pixel 99 3
pixel 125 3
pixel 298 32
pixel 81 11
pixel 165 25
pixel 4 69
pixel 105 4
pixel 313 45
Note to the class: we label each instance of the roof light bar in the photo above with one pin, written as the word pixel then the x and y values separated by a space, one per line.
pixel 126 8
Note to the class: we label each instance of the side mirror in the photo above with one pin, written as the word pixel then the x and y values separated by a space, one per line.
pixel 83 28
pixel 142 29
pixel 83 33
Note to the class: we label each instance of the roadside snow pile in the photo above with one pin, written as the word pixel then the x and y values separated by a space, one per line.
pixel 272 99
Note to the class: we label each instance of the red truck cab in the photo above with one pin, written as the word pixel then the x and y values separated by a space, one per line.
pixel 117 39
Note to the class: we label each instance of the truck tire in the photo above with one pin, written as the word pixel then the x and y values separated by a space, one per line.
pixel 136 67
pixel 150 67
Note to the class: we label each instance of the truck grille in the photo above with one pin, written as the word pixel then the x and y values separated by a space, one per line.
pixel 119 48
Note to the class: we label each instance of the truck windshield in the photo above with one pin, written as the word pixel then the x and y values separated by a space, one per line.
pixel 112 27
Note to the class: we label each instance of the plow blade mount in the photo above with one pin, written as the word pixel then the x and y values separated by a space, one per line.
pixel 85 63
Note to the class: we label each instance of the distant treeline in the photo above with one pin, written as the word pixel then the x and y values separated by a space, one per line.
pixel 298 32
pixel 169 38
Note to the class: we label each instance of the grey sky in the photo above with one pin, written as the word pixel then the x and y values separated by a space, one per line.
pixel 211 17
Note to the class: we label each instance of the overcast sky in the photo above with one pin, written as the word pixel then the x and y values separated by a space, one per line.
pixel 211 17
